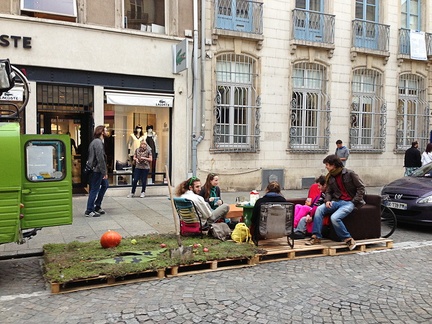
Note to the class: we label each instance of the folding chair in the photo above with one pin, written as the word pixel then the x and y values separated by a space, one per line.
pixel 190 220
pixel 276 220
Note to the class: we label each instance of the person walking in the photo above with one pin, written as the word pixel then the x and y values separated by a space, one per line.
pixel 342 151
pixel 413 159
pixel 98 181
pixel 142 158
pixel 427 155
pixel 191 189
pixel 345 190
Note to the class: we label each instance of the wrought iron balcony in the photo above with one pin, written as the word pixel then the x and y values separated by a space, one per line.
pixel 370 36
pixel 239 15
pixel 405 43
pixel 311 26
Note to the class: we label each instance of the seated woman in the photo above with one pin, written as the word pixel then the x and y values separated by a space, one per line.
pixel 303 214
pixel 211 191
pixel 273 194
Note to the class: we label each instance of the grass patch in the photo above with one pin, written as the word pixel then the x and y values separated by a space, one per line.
pixel 77 260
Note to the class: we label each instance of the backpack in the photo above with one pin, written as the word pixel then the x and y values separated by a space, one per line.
pixel 220 231
pixel 241 233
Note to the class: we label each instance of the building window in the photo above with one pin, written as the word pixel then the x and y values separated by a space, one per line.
pixel 310 109
pixel 412 117
pixel 368 112
pixel 59 10
pixel 411 13
pixel 145 15
pixel 236 109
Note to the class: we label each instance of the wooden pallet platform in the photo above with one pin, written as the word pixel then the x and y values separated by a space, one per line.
pixel 105 281
pixel 215 265
pixel 271 251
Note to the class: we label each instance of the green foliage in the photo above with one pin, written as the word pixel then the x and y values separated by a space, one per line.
pixel 76 260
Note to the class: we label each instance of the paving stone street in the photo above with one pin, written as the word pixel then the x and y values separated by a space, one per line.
pixel 388 286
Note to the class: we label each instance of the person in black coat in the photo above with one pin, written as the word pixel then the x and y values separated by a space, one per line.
pixel 412 159
pixel 273 194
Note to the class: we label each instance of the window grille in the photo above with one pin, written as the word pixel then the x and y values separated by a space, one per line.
pixel 368 112
pixel 64 98
pixel 412 117
pixel 310 109
pixel 236 110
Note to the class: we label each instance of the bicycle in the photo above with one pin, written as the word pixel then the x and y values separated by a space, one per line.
pixel 388 219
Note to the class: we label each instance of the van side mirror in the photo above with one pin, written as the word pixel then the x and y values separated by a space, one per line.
pixel 7 76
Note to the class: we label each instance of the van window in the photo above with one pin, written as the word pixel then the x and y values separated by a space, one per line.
pixel 45 160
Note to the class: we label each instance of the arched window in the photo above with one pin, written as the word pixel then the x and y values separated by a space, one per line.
pixel 236 127
pixel 368 111
pixel 310 108
pixel 412 117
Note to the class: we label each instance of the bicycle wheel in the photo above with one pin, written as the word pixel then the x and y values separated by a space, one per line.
pixel 388 222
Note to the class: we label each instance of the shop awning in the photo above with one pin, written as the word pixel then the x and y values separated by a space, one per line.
pixel 132 99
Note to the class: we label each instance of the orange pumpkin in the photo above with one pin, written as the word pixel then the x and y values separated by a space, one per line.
pixel 110 239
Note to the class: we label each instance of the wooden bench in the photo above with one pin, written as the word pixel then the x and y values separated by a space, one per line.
pixel 363 223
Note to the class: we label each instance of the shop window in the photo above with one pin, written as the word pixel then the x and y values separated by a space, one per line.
pixel 145 15
pixel 51 9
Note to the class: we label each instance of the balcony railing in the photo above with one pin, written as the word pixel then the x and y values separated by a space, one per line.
pixel 239 15
pixel 405 43
pixel 313 26
pixel 370 35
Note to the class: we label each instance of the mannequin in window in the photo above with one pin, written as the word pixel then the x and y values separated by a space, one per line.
pixel 134 143
pixel 151 140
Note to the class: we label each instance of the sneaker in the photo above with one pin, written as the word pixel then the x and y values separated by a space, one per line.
pixel 313 241
pixel 92 214
pixel 142 195
pixel 351 244
pixel 131 195
pixel 99 210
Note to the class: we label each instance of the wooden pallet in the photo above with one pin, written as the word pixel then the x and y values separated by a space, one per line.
pixel 271 251
pixel 104 281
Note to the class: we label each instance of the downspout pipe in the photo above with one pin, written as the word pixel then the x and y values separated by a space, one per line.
pixel 196 139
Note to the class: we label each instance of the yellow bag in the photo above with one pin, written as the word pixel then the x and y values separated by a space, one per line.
pixel 241 233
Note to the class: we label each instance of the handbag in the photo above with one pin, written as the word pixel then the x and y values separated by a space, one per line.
pixel 88 169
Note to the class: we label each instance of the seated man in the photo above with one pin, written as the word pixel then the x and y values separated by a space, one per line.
pixel 190 189
pixel 345 191
pixel 273 194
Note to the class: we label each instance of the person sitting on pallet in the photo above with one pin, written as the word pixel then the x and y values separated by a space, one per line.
pixel 190 189
pixel 345 191
pixel 273 194
pixel 303 214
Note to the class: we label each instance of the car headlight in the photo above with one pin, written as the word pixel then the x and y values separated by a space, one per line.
pixel 425 200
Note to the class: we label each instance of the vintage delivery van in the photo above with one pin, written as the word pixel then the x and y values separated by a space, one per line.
pixel 35 177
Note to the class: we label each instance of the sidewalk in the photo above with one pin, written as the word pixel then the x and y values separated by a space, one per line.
pixel 128 216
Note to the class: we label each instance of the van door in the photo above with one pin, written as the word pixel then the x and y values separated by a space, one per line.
pixel 47 181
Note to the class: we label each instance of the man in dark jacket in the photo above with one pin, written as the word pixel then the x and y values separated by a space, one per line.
pixel 99 177
pixel 344 191
pixel 412 159
pixel 273 194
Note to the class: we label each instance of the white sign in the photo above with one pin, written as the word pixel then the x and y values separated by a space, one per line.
pixel 418 45
pixel 138 100
pixel 180 56
pixel 12 95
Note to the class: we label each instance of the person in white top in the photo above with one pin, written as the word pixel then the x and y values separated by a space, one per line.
pixel 190 189
pixel 427 155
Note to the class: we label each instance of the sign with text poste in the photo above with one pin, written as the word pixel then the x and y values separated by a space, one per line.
pixel 180 56
pixel 418 45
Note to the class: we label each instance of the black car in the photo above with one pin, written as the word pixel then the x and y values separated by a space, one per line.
pixel 410 198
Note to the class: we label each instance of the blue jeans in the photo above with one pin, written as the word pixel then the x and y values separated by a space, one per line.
pixel 98 187
pixel 339 210
pixel 140 174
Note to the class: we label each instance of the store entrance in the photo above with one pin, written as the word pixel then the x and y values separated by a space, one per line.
pixel 79 128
